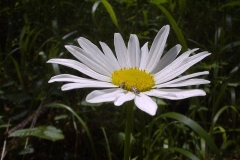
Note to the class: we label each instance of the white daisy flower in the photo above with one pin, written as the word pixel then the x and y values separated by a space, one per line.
pixel 134 74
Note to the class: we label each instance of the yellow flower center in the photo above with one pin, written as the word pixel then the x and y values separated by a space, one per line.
pixel 133 79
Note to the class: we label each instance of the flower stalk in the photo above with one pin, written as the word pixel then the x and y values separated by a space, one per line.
pixel 128 131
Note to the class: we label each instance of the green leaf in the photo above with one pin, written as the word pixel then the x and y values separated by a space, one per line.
pixel 197 128
pixel 46 132
pixel 62 116
pixel 184 152
pixel 5 125
pixel 27 150
pixel 53 133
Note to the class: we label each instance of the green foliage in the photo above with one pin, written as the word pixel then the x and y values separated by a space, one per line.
pixel 47 132
pixel 58 105
pixel 197 128
pixel 184 152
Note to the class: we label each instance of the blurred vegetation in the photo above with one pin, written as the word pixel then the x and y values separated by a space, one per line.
pixel 39 121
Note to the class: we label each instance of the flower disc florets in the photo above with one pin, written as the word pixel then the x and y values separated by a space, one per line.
pixel 133 77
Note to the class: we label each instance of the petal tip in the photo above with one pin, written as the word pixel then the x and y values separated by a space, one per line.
pixel 167 26
pixel 179 46
pixel 50 81
pixel 67 46
pixel 117 34
pixel 152 113
pixel 49 61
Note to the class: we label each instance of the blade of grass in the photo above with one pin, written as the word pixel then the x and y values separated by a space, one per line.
pixel 197 128
pixel 218 114
pixel 59 105
pixel 110 11
pixel 175 27
pixel 184 152
pixel 17 70
pixel 107 143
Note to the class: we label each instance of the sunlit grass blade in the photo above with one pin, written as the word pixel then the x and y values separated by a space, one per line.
pixel 111 12
pixel 175 27
pixel 219 129
pixel 219 113
pixel 59 105
pixel 197 128
pixel 107 143
pixel 17 70
pixel 185 153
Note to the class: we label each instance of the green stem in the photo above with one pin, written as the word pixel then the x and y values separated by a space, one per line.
pixel 128 131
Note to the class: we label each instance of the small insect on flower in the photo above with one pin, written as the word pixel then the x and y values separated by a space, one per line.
pixel 122 85
pixel 135 90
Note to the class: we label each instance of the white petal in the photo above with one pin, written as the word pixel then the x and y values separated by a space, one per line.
pixel 184 67
pixel 110 56
pixel 198 56
pixel 80 67
pixel 157 48
pixel 167 58
pixel 70 78
pixel 121 50
pixel 144 57
pixel 183 78
pixel 79 82
pixel 146 104
pixel 125 97
pixel 175 94
pixel 175 64
pixel 188 82
pixel 106 95
pixel 133 51
pixel 90 84
pixel 91 62
pixel 92 49
pixel 174 72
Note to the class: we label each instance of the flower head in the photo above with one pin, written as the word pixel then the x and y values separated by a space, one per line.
pixel 134 74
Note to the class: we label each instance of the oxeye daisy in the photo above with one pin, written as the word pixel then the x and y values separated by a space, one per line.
pixel 134 73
